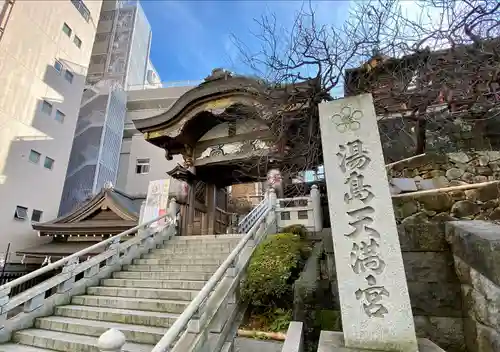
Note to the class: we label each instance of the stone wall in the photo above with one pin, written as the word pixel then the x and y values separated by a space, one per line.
pixel 315 303
pixel 468 202
pixel 452 169
pixel 476 252
pixel 442 282
pixel 432 283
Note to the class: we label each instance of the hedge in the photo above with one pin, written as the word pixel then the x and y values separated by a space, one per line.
pixel 274 266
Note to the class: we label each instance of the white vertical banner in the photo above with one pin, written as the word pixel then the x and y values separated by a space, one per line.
pixel 156 201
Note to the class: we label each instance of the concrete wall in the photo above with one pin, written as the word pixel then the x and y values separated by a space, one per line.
pixel 143 104
pixel 135 148
pixel 32 41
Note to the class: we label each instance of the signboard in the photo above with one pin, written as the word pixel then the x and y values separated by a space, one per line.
pixel 156 201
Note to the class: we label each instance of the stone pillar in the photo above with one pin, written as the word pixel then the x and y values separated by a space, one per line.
pixel 317 212
pixel 211 204
pixel 374 300
pixel 184 218
pixel 204 223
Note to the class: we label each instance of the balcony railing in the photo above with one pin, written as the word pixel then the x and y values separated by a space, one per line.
pixel 188 83
pixel 84 11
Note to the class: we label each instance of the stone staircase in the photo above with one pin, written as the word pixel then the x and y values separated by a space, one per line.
pixel 142 300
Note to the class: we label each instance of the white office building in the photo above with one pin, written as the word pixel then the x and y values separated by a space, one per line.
pixel 45 47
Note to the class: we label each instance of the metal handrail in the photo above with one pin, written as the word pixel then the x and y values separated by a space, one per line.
pixel 83 252
pixel 181 322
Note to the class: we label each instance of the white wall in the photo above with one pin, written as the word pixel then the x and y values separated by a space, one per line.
pixel 33 39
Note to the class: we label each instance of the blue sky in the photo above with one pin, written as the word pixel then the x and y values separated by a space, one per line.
pixel 190 38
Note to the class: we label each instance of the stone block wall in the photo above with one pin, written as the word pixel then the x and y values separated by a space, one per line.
pixel 436 292
pixel 476 252
pixel 451 169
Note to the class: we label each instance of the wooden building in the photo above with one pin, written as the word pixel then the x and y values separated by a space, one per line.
pixel 108 213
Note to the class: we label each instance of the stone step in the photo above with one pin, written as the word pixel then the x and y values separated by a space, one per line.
pixel 66 342
pixel 208 238
pixel 200 245
pixel 133 333
pixel 168 284
pixel 14 347
pixel 171 268
pixel 181 261
pixel 152 305
pixel 150 293
pixel 193 250
pixel 136 317
pixel 232 241
pixel 158 275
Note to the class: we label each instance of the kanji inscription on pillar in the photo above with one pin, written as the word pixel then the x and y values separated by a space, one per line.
pixel 375 305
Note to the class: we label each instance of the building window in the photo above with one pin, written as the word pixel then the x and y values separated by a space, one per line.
pixel 21 213
pixel 60 116
pixel 98 59
pixel 101 37
pixel 47 107
pixel 58 66
pixel 77 41
pixel 34 156
pixel 142 166
pixel 302 215
pixel 69 76
pixel 107 15
pixel 36 215
pixel 67 30
pixel 49 163
pixel 84 11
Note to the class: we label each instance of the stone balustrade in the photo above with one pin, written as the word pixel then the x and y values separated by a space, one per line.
pixel 294 341
pixel 304 211
pixel 248 221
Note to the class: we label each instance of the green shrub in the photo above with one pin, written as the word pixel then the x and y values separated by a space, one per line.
pixel 296 230
pixel 272 269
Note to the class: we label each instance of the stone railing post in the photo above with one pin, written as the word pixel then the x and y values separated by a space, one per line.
pixel 112 340
pixel 172 208
pixel 317 213
pixel 273 199
pixel 68 268
pixel 4 299
pixel 114 246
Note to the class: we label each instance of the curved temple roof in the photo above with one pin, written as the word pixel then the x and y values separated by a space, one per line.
pixel 86 220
